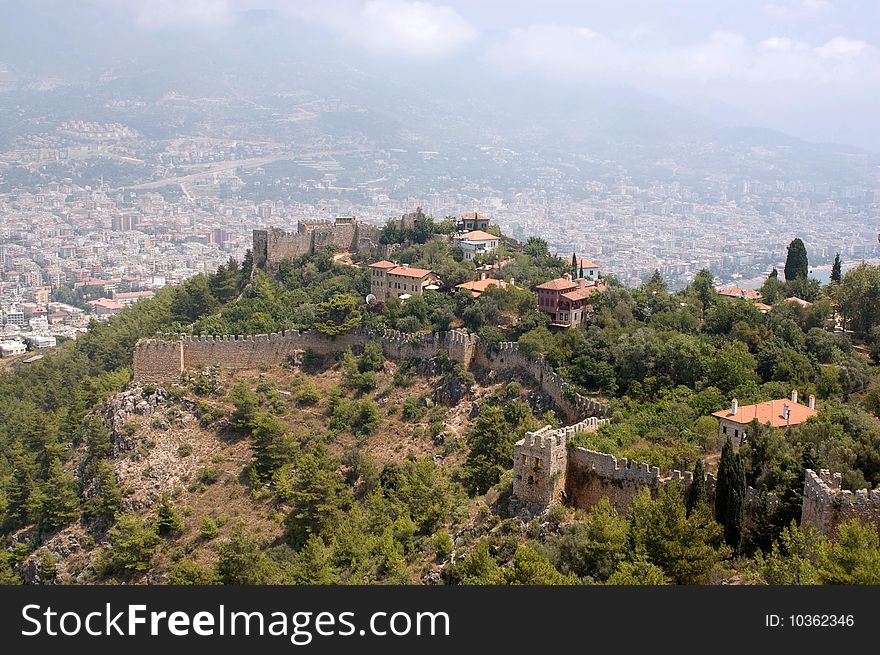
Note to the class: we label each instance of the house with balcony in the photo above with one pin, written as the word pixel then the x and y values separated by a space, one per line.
pixel 567 300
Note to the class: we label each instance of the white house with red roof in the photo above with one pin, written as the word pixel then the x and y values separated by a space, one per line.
pixel 390 280
pixel 476 243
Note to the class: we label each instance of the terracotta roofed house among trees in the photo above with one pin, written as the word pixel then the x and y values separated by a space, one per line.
pixel 388 280
pixel 781 413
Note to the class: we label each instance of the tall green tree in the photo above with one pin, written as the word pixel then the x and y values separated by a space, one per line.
pixel 687 548
pixel 835 269
pixel 796 264
pixel 696 493
pixel 730 495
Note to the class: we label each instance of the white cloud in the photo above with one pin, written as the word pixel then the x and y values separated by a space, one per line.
pixel 798 9
pixel 208 15
pixel 409 28
pixel 842 47
pixel 563 52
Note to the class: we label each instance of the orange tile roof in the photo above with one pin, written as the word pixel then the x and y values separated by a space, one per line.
pixel 769 412
pixel 106 303
pixel 799 301
pixel 477 287
pixel 559 284
pixel 409 272
pixel 762 307
pixel 383 264
pixel 478 235
pixel 586 263
pixel 581 294
pixel 736 292
pixel 473 216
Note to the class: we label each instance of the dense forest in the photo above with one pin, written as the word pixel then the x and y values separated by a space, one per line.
pixel 662 360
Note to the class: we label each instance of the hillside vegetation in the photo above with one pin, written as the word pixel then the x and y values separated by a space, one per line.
pixel 363 470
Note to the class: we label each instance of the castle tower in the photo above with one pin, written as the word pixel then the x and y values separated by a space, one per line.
pixel 539 463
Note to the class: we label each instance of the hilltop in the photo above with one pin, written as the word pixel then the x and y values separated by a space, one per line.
pixel 372 440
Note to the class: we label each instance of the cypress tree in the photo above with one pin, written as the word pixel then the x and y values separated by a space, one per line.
pixel 774 274
pixel 696 493
pixel 796 264
pixel 835 269
pixel 730 495
pixel 574 264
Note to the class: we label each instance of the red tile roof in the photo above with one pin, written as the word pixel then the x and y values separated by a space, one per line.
pixel 409 272
pixel 477 287
pixel 581 294
pixel 586 263
pixel 559 284
pixel 799 301
pixel 769 412
pixel 473 216
pixel 744 294
pixel 478 235
pixel 383 264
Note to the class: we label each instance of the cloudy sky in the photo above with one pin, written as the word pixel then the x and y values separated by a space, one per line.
pixel 810 68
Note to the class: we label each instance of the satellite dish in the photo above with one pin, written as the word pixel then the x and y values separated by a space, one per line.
pixel 370 299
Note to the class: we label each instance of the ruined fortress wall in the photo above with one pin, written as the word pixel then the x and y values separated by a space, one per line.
pixel 826 505
pixel 341 237
pixel 506 356
pixel 272 246
pixel 285 245
pixel 157 361
pixel 592 476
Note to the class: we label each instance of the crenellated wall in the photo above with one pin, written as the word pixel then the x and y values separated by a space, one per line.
pixel 506 356
pixel 271 246
pixel 592 475
pixel 161 361
pixel 826 505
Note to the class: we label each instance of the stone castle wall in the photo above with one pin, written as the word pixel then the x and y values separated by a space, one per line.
pixel 272 246
pixel 592 475
pixel 826 505
pixel 161 361
pixel 506 356
pixel 157 361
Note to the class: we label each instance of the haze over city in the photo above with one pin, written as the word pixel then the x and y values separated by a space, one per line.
pixel 141 142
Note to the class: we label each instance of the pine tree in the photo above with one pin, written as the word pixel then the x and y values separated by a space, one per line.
pixel 696 493
pixel 168 521
pixel 796 264
pixel 59 500
pixel 730 495
pixel 774 274
pixel 835 269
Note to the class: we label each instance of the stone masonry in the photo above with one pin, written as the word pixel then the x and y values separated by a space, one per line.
pixel 826 505
pixel 158 360
pixel 271 246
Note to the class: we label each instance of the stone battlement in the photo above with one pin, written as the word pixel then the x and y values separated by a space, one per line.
pixel 271 246
pixel 506 356
pixel 157 360
pixel 826 505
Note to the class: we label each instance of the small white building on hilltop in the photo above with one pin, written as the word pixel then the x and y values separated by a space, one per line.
pixel 476 243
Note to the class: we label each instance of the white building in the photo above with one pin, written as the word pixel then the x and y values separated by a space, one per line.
pixel 12 348
pixel 477 243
